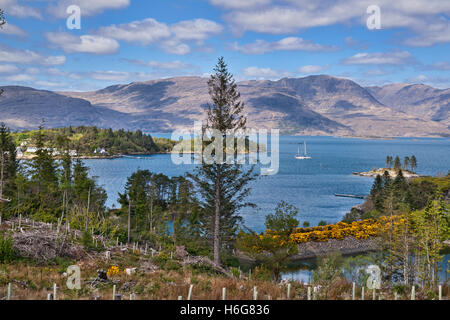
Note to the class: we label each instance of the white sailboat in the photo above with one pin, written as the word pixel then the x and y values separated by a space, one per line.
pixel 304 156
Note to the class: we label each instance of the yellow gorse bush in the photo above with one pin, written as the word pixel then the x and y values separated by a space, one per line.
pixel 113 271
pixel 364 229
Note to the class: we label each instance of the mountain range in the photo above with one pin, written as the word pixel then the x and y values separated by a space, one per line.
pixel 313 105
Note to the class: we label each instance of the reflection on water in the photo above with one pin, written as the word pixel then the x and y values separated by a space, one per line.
pixel 303 271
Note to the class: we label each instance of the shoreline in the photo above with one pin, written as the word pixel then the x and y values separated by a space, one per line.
pixel 380 171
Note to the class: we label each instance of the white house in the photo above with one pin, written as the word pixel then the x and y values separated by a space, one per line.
pixel 100 151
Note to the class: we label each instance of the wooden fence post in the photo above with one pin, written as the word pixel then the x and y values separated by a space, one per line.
pixel 255 293
pixel 54 291
pixel 190 292
pixel 224 293
pixel 440 292
pixel 114 292
pixel 362 293
pixel 309 293
pixel 353 291
pixel 289 291
pixel 413 293
pixel 9 291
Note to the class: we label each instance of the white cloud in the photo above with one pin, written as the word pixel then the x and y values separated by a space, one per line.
pixel 286 44
pixel 13 8
pixel 145 32
pixel 32 70
pixel 169 65
pixel 311 69
pixel 8 54
pixel 20 78
pixel 171 38
pixel 418 79
pixel 239 4
pixel 88 7
pixel 175 47
pixel 198 29
pixel 8 68
pixel 431 33
pixel 12 30
pixel 440 65
pixel 264 73
pixel 381 58
pixel 428 19
pixel 115 76
pixel 84 44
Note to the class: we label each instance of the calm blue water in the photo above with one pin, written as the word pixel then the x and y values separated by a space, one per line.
pixel 308 184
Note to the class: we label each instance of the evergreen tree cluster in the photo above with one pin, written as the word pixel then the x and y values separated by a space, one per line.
pixel 409 163
pixel 87 140
pixel 45 188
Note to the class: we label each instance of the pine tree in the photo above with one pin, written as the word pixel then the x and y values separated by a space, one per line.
pixel 223 187
pixel 397 163
pixel 8 166
pixel 413 163
pixel 406 162
pixel 43 170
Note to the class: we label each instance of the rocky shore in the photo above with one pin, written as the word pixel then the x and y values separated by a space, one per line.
pixel 347 246
pixel 392 172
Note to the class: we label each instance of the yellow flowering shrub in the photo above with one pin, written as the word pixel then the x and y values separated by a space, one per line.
pixel 364 229
pixel 113 271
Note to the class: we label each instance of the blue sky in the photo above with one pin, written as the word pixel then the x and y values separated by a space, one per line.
pixel 122 41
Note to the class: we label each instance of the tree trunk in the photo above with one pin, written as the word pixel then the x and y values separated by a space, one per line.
pixel 217 225
pixel 129 220
pixel 87 211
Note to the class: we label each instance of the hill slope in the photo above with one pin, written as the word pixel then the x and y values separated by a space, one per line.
pixel 316 105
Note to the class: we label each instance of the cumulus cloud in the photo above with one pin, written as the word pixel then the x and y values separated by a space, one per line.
pixel 8 68
pixel 88 7
pixel 380 58
pixel 311 69
pixel 171 38
pixel 440 65
pixel 197 29
pixel 264 73
pixel 145 32
pixel 163 65
pixel 93 44
pixel 20 78
pixel 13 8
pixel 12 30
pixel 285 44
pixel 11 55
pixel 115 76
pixel 426 18
pixel 239 4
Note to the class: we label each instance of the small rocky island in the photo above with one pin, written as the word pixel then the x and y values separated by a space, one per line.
pixel 392 172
